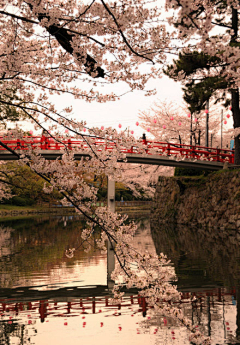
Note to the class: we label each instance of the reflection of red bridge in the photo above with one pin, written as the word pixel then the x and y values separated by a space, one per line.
pixel 160 153
pixel 89 305
pixel 61 306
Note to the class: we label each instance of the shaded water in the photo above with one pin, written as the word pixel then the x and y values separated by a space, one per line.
pixel 46 297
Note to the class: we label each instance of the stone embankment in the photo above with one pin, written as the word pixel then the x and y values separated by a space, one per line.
pixel 211 201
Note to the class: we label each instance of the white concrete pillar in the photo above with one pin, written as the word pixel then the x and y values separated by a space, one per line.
pixel 110 251
pixel 111 195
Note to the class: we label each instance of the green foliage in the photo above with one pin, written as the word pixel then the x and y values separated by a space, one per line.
pixel 20 201
pixel 102 194
pixel 26 186
pixel 197 95
pixel 198 92
pixel 192 62
pixel 188 172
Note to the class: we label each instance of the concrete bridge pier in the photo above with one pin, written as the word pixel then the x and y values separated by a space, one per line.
pixel 110 251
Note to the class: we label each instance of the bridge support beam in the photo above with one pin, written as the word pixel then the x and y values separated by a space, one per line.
pixel 110 249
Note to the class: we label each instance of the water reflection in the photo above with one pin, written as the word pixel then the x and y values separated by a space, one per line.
pixel 32 253
pixel 206 260
pixel 200 256
pixel 45 297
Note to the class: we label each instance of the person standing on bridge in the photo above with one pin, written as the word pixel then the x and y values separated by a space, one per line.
pixel 144 139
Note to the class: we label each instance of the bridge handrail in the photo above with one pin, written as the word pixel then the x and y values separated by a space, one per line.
pixel 148 147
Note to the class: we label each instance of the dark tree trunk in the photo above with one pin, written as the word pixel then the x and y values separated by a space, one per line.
pixel 238 313
pixel 235 92
pixel 236 124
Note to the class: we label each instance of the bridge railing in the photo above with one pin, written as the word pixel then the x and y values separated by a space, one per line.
pixel 142 147
pixel 193 152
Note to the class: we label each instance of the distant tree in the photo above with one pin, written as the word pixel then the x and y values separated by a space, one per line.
pixel 142 179
pixel 24 183
pixel 198 90
pixel 166 121
pixel 209 62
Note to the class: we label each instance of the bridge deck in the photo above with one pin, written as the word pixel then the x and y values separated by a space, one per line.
pixel 145 152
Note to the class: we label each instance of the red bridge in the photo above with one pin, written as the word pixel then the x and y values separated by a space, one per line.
pixel 64 306
pixel 150 152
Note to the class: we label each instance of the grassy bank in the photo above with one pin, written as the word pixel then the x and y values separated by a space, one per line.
pixel 12 211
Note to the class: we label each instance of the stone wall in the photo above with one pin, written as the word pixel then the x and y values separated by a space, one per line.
pixel 212 201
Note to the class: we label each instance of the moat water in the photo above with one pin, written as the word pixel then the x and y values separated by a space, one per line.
pixel 47 298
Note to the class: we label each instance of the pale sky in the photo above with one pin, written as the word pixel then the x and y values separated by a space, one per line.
pixel 124 111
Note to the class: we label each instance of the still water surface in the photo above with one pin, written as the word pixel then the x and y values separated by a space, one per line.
pixel 45 298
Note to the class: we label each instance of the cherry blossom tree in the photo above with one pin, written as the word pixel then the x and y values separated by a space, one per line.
pixel 209 29
pixel 138 177
pixel 50 47
pixel 167 122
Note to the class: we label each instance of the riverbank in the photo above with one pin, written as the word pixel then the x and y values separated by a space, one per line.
pixel 12 211
pixel 211 201
pixel 138 207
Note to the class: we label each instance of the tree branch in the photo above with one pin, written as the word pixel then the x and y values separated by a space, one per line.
pixel 65 39
pixel 122 34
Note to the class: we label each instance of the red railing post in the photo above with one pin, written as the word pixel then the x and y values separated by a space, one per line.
pixel 47 143
pixel 93 305
pixel 168 149
pixel 18 144
pixel 218 155
pixel 144 307
pixel 193 151
pixel 43 310
pixel 69 144
pixel 68 307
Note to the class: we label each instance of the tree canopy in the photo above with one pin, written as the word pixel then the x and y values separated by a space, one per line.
pixel 56 47
pixel 47 46
pixel 209 61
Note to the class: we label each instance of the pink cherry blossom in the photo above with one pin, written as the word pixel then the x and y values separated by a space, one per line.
pixel 40 61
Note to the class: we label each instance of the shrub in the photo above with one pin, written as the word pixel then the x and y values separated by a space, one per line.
pixel 190 172
pixel 18 201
